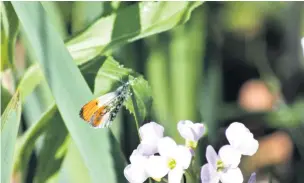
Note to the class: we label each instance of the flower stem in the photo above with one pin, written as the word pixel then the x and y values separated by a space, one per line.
pixel 165 180
pixel 184 177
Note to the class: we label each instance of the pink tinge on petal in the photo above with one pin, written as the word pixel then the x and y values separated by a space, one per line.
pixel 151 131
pixel 147 149
pixel 198 130
pixel 208 174
pixel 184 128
pixel 211 156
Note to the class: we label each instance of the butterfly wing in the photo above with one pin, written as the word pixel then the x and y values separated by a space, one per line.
pixel 89 109
pixel 101 118
pixel 100 112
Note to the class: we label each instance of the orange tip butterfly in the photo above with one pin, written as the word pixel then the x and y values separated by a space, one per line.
pixel 100 112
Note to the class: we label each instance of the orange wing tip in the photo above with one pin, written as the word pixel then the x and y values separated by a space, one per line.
pixel 88 110
pixel 100 117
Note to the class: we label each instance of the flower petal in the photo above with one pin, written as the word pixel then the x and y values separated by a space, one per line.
pixel 211 156
pixel 252 178
pixel 184 128
pixel 233 175
pixel 199 131
pixel 241 139
pixel 209 175
pixel 166 147
pixel 230 156
pixel 249 146
pixel 138 158
pixel 182 156
pixel 147 148
pixel 151 131
pixel 175 175
pixel 157 167
pixel 135 174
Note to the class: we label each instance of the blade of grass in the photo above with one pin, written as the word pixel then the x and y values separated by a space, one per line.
pixel 9 30
pixel 5 98
pixel 60 72
pixel 10 121
pixel 54 148
pixel 27 142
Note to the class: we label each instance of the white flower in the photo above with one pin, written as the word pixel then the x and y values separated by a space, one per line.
pixel 241 139
pixel 173 160
pixel 222 167
pixel 135 172
pixel 150 133
pixel 190 131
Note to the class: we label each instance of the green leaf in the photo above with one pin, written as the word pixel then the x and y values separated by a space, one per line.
pixel 30 80
pixel 61 73
pixel 9 30
pixel 73 171
pixel 110 72
pixel 10 121
pixel 84 14
pixel 5 98
pixel 111 75
pixel 54 148
pixel 27 142
pixel 57 18
pixel 127 25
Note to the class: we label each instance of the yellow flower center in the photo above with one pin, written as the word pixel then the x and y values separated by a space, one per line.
pixel 191 144
pixel 156 179
pixel 220 166
pixel 171 163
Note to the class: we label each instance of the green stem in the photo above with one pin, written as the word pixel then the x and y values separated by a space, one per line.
pixel 135 111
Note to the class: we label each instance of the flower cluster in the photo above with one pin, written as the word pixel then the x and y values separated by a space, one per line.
pixel 224 165
pixel 157 156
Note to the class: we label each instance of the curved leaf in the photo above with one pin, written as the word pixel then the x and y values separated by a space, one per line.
pixel 10 121
pixel 5 98
pixel 30 80
pixel 111 75
pixel 27 142
pixel 132 23
pixel 9 30
pixel 61 73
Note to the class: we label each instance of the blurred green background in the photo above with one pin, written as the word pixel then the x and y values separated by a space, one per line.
pixel 212 62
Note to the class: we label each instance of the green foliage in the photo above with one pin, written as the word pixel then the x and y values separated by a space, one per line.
pixel 10 121
pixel 5 98
pixel 112 74
pixel 9 30
pixel 69 96
pixel 77 51
pixel 130 24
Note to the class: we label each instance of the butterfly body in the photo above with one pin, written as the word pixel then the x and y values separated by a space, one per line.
pixel 100 112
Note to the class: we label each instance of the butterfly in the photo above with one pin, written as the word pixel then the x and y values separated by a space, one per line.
pixel 100 112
